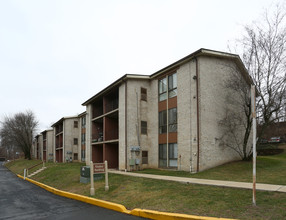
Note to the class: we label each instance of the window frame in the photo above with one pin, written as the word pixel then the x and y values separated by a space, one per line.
pixel 75 124
pixel 164 87
pixel 143 94
pixel 172 88
pixel 172 125
pixel 163 122
pixel 75 141
pixel 144 127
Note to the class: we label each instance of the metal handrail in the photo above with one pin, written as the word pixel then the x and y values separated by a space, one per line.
pixel 26 173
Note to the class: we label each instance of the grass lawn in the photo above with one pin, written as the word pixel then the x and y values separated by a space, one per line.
pixel 18 166
pixel 269 169
pixel 167 196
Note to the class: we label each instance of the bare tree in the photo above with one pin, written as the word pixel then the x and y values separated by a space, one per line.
pixel 18 131
pixel 264 55
pixel 237 121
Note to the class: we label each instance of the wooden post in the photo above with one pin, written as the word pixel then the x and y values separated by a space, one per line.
pixel 91 179
pixel 106 176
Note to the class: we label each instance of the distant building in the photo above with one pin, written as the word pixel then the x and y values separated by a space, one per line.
pixel 169 119
pixel 66 139
pixel 38 147
pixel 82 118
pixel 48 143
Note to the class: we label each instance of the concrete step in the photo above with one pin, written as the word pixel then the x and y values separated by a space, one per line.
pixel 37 171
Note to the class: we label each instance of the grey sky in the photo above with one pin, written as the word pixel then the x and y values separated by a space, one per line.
pixel 54 55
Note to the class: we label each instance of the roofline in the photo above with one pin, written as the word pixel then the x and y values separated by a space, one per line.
pixel 46 130
pixel 116 83
pixel 200 52
pixel 64 118
pixel 82 114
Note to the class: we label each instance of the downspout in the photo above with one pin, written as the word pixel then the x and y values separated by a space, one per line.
pixel 198 115
pixel 125 125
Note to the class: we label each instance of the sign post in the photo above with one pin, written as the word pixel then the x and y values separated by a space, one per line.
pixel 91 179
pixel 98 168
pixel 253 142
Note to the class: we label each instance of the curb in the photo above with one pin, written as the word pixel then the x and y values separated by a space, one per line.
pixel 145 213
pixel 86 199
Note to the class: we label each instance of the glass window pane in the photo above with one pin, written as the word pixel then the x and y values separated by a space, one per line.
pixel 163 96
pixel 162 85
pixel 163 122
pixel 173 128
pixel 163 155
pixel 173 154
pixel 172 93
pixel 175 80
pixel 172 120
pixel 172 81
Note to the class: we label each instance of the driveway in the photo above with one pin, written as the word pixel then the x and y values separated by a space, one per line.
pixel 20 199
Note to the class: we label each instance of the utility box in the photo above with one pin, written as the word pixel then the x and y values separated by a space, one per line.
pixel 137 161
pixel 85 171
pixel 135 148
pixel 131 162
pixel 85 175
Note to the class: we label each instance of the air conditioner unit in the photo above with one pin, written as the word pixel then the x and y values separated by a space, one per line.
pixel 135 148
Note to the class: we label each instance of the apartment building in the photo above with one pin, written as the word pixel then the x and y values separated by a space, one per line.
pixel 38 147
pixel 66 132
pixel 82 118
pixel 170 119
pixel 48 143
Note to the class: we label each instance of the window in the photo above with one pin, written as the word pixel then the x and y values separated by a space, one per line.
pixel 171 81
pixel 144 157
pixel 163 122
pixel 75 141
pixel 143 127
pixel 143 94
pixel 172 120
pixel 172 85
pixel 173 155
pixel 83 121
pixel 83 138
pixel 75 124
pixel 170 159
pixel 75 156
pixel 82 155
pixel 163 89
pixel 163 155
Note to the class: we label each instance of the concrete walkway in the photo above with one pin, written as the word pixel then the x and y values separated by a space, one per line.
pixel 187 180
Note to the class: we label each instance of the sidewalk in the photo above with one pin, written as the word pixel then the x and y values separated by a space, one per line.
pixel 241 185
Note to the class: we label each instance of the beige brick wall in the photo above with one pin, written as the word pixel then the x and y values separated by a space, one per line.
pixel 121 124
pixel 212 74
pixel 185 114
pixel 69 133
pixel 88 134
pixel 50 144
pixel 138 110
pixel 153 156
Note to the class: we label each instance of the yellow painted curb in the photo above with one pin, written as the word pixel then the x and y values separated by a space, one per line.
pixel 93 201
pixel 145 213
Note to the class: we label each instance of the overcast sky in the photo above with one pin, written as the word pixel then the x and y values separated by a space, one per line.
pixel 54 54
